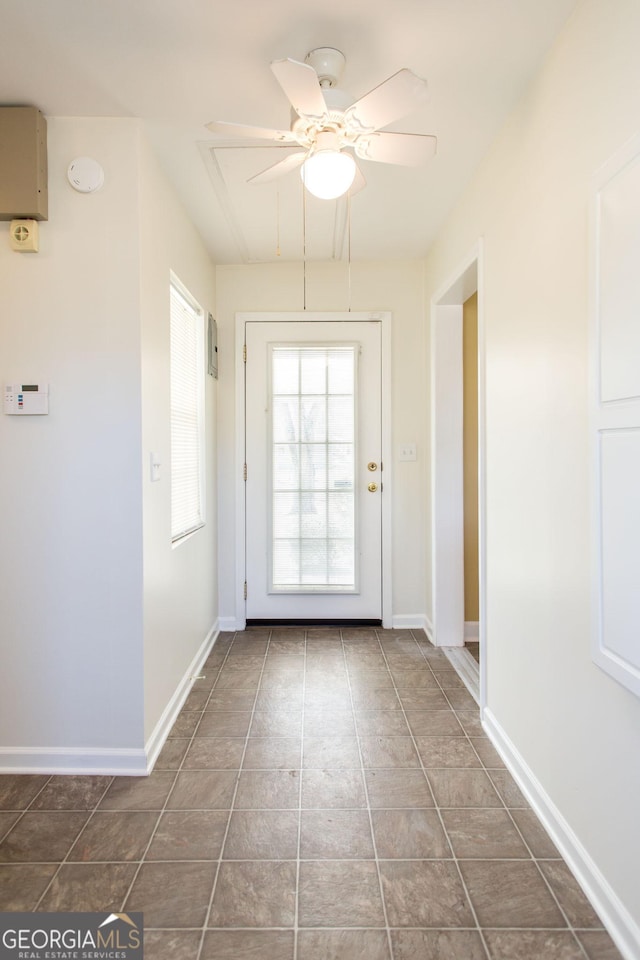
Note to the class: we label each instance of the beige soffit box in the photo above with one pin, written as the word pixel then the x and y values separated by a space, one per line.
pixel 23 164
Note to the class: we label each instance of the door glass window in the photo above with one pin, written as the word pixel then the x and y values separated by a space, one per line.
pixel 313 430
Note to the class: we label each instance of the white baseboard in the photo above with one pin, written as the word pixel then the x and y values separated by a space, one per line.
pixel 466 668
pixel 81 761
pixel 157 739
pixel 409 621
pixel 622 927
pixel 107 761
pixel 471 630
pixel 231 624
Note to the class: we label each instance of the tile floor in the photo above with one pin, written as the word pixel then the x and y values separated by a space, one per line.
pixel 325 795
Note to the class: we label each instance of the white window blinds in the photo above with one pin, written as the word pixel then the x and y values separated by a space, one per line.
pixel 187 414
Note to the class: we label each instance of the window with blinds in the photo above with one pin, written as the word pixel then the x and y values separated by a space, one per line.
pixel 187 413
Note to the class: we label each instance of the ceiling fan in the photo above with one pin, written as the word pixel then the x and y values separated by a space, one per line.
pixel 330 127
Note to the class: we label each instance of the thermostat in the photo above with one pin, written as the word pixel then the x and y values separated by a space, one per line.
pixel 26 398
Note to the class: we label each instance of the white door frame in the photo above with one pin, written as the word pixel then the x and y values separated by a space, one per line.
pixel 447 510
pixel 384 317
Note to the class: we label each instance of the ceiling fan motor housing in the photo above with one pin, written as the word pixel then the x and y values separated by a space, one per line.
pixel 328 63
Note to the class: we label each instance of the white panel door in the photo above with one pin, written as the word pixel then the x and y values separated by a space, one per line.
pixel 615 414
pixel 313 456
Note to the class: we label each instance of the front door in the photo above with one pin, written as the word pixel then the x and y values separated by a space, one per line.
pixel 313 470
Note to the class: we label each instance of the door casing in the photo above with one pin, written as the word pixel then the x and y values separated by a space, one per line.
pixel 384 317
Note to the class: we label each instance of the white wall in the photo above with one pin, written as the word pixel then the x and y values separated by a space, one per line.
pixel 70 493
pixel 394 286
pixel 180 588
pixel 575 731
pixel 99 618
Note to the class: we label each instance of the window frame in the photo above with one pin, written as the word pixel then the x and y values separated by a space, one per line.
pixel 197 520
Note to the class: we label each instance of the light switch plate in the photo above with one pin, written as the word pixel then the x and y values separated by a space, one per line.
pixel 407 451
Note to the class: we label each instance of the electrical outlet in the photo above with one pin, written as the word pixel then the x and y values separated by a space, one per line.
pixel 407 451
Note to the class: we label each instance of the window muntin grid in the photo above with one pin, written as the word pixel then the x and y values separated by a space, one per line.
pixel 313 437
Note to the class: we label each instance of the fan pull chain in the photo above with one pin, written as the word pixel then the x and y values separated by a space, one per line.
pixel 349 246
pixel 304 248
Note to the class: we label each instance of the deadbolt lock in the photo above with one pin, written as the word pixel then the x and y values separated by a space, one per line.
pixel 372 487
pixel 372 466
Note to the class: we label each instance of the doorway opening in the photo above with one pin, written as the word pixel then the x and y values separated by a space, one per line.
pixel 451 627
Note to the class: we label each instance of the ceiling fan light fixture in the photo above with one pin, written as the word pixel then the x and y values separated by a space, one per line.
pixel 328 173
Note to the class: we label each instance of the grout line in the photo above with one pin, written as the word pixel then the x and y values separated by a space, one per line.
pixel 27 809
pixel 235 791
pixel 437 805
pixel 366 793
pixel 175 778
pixel 80 832
pixel 296 919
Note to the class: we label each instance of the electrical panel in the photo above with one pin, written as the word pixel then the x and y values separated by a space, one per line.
pixel 23 164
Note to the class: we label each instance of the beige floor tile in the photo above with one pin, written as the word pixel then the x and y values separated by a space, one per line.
pixel 88 886
pixel 572 900
pixel 336 753
pixel 388 752
pixel 335 835
pixel 139 793
pixel 172 944
pixel 248 945
pixel 463 788
pixel 409 835
pixel 114 835
pixel 535 836
pixel 323 789
pixel 437 945
pixel 224 723
pixel 335 893
pixel 214 753
pixel 203 790
pixel 172 894
pixel 398 788
pixel 273 753
pixel 262 835
pixel 486 834
pixel 343 945
pixel 42 837
pixel 599 945
pixel 446 752
pixel 22 884
pixel 254 894
pixel 510 893
pixel 268 790
pixel 427 893
pixel 189 835
pixel 533 945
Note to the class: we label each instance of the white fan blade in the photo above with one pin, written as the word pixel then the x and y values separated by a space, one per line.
pixel 392 99
pixel 358 182
pixel 253 133
pixel 408 149
pixel 300 83
pixel 281 167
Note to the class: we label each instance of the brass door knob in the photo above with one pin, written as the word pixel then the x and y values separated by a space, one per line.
pixel 372 466
pixel 372 487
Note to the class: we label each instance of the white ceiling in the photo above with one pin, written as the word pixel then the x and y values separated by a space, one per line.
pixel 179 63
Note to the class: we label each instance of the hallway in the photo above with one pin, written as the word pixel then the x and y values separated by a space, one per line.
pixel 325 795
